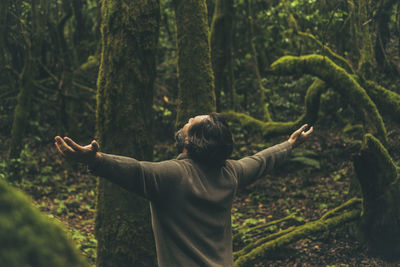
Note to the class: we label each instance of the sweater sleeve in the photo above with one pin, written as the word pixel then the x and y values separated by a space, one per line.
pixel 147 179
pixel 249 169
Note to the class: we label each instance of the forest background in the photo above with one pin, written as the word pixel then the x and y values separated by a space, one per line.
pixel 115 69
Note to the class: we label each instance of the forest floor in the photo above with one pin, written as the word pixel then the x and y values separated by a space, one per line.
pixel 66 192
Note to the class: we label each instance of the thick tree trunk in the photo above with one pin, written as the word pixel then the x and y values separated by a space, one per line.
pixel 221 52
pixel 380 186
pixel 195 75
pixel 124 115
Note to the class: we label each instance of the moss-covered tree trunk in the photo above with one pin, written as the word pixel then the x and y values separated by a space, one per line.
pixel 384 12
pixel 23 107
pixel 29 238
pixel 124 118
pixel 380 185
pixel 195 75
pixel 366 62
pixel 221 52
pixel 259 99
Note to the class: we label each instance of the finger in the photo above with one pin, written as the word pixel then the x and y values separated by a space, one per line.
pixel 308 133
pixel 59 150
pixel 64 147
pixel 310 130
pixel 301 129
pixel 95 146
pixel 74 145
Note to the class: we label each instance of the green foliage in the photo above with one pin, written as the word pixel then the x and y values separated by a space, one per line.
pixel 305 157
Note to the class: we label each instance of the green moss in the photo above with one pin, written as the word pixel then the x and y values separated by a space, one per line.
pixel 29 238
pixel 253 255
pixel 271 128
pixel 338 59
pixel 342 82
pixel 387 101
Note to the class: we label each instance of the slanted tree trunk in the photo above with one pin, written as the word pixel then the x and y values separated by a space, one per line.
pixel 124 115
pixel 195 75
pixel 221 52
pixel 380 186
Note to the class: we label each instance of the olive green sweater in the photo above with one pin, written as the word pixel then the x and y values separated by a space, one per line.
pixel 190 203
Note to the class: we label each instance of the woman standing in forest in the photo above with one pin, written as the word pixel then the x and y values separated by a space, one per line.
pixel 190 196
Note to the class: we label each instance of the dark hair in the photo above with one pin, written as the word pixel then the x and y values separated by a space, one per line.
pixel 210 141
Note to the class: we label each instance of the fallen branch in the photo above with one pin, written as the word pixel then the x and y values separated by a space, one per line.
pixel 249 255
pixel 340 80
pixel 291 219
pixel 270 128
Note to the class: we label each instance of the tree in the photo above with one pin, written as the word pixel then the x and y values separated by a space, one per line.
pixel 221 52
pixel 124 115
pixel 195 75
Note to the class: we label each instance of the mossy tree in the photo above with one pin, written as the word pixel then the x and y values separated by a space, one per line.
pixel 383 15
pixel 259 91
pixel 221 52
pixel 29 238
pixel 195 75
pixel 124 124
pixel 380 185
pixel 31 47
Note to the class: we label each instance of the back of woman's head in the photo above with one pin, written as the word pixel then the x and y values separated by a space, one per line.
pixel 210 141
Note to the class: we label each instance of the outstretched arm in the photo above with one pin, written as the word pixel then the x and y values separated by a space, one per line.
pixel 146 179
pixel 251 168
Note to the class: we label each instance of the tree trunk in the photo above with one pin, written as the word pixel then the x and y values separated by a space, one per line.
pixel 124 115
pixel 380 186
pixel 32 44
pixel 366 63
pixel 195 75
pixel 259 99
pixel 221 52
pixel 383 15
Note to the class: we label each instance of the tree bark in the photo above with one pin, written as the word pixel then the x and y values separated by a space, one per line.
pixel 380 186
pixel 195 75
pixel 124 121
pixel 221 52
pixel 32 45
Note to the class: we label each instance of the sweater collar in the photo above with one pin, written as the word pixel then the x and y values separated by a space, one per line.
pixel 182 156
